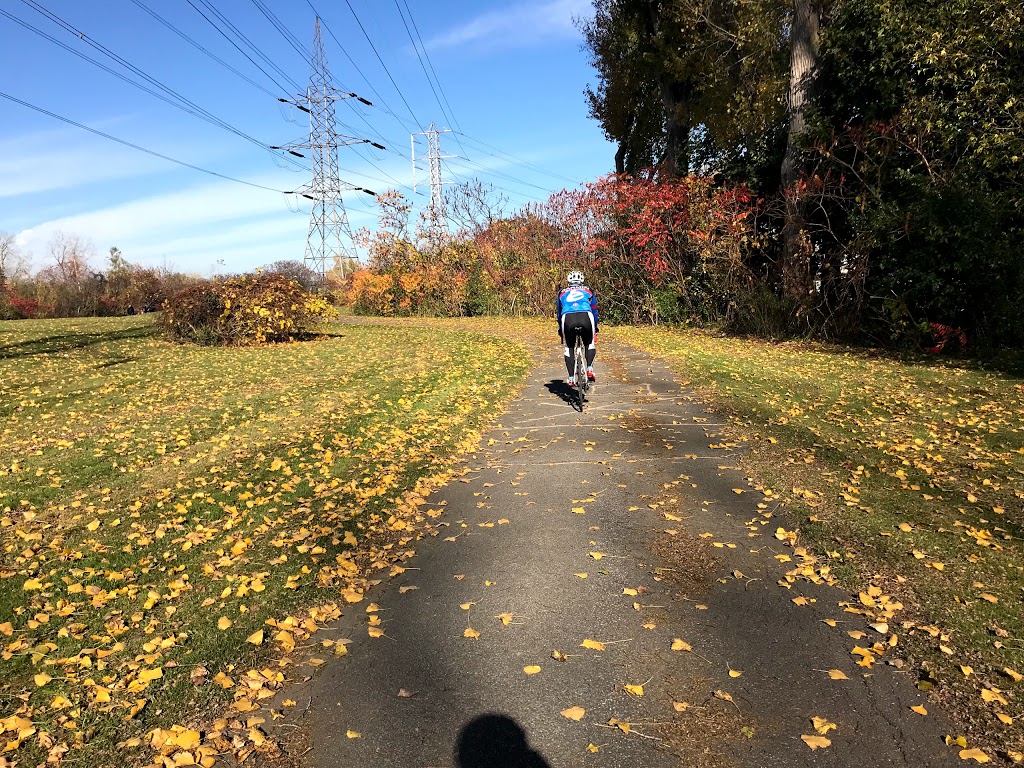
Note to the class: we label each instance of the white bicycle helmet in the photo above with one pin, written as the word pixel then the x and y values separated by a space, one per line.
pixel 575 278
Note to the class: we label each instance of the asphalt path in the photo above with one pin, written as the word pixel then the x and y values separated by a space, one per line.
pixel 639 493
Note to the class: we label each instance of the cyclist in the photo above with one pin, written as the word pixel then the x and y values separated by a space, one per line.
pixel 577 316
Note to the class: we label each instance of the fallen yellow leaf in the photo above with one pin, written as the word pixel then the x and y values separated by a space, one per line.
pixel 816 742
pixel 593 645
pixel 919 709
pixel 636 690
pixel 837 674
pixel 822 726
pixel 471 633
pixel 574 713
pixel 974 754
pixel 256 638
pixel 532 669
pixel 224 622
pixel 681 645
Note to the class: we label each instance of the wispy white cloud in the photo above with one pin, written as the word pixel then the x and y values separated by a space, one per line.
pixel 520 24
pixel 56 160
pixel 191 229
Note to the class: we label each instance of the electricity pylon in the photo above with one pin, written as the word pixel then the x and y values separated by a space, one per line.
pixel 434 215
pixel 330 238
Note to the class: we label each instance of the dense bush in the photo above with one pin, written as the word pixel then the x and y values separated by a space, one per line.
pixel 250 309
pixel 655 251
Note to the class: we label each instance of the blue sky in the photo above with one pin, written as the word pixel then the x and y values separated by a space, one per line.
pixel 512 72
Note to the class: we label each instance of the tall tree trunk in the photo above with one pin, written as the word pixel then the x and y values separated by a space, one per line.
pixel 677 128
pixel 673 102
pixel 803 66
pixel 624 140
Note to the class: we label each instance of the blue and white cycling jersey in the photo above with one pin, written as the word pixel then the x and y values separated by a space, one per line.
pixel 577 299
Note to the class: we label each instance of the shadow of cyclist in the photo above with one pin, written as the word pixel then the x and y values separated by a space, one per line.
pixel 563 390
pixel 496 741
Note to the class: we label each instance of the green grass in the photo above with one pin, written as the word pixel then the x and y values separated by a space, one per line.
pixel 878 442
pixel 148 489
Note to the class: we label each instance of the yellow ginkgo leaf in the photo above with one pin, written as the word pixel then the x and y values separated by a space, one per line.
pixel 816 742
pixel 681 645
pixel 353 734
pixel 636 690
pixel 471 633
pixel 974 754
pixel 991 694
pixel 256 638
pixel 504 618
pixel 593 747
pixel 596 555
pixel 822 726
pixel 734 673
pixel 680 706
pixel 224 622
pixel 919 709
pixel 593 645
pixel 629 591
pixel 466 606
pixel 574 713
pixel 837 674
pixel 581 575
pixel 375 631
pixel 532 669
pixel 1005 719
pixel 187 739
pixel 42 679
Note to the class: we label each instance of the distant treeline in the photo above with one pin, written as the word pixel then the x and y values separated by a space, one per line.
pixel 72 285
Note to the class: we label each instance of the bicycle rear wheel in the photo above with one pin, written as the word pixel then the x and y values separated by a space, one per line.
pixel 580 367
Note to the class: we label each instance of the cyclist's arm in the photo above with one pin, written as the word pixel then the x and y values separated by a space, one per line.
pixel 558 313
pixel 593 308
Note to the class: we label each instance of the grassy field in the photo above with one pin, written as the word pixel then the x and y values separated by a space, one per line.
pixel 177 520
pixel 907 476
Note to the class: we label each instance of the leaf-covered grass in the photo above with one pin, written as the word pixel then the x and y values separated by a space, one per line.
pixel 906 474
pixel 160 504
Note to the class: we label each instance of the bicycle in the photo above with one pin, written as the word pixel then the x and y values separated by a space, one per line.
pixel 582 383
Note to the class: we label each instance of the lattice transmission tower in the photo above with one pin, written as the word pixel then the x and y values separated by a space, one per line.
pixel 434 216
pixel 329 240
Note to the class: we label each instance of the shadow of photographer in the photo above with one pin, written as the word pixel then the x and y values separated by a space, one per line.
pixel 496 741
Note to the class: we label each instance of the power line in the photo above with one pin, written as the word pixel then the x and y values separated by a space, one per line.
pixel 518 160
pixel 288 36
pixel 227 37
pixel 378 99
pixel 134 146
pixel 173 97
pixel 431 65
pixel 196 45
pixel 424 67
pixel 501 174
pixel 241 36
pixel 377 54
